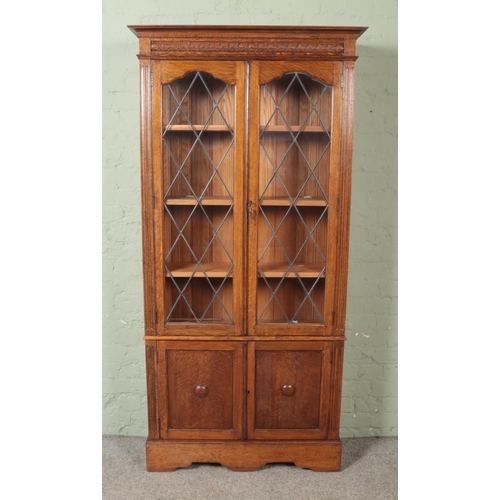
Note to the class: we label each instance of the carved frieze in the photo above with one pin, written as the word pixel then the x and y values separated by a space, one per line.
pixel 250 48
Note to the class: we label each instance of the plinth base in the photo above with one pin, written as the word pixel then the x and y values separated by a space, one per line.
pixel 320 456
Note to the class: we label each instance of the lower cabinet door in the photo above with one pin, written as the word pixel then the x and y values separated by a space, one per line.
pixel 288 389
pixel 200 389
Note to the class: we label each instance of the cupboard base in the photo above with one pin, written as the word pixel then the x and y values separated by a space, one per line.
pixel 320 456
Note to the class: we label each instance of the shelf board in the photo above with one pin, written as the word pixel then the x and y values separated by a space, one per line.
pixel 206 200
pixel 212 269
pixel 279 269
pixel 302 322
pixel 192 320
pixel 220 270
pixel 190 128
pixel 294 128
pixel 284 201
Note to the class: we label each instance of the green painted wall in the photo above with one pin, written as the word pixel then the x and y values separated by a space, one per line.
pixel 370 374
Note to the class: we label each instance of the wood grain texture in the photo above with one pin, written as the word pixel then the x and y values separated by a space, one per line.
pixel 249 385
pixel 240 198
pixel 148 241
pixel 273 365
pixel 156 132
pixel 275 69
pixel 242 456
pixel 197 127
pixel 345 182
pixel 218 338
pixel 225 71
pixel 280 235
pixel 210 222
pixel 182 366
pixel 253 196
pixel 152 390
pixel 334 196
pixel 248 42
pixel 336 389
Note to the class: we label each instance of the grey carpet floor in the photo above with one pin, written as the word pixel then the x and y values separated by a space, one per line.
pixel 369 471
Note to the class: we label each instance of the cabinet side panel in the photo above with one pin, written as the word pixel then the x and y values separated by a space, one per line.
pixel 334 181
pixel 154 431
pixel 336 388
pixel 147 200
pixel 346 142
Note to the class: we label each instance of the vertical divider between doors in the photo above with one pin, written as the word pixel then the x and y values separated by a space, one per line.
pixel 253 195
pixel 250 390
pixel 246 240
pixel 245 390
pixel 239 200
pixel 246 197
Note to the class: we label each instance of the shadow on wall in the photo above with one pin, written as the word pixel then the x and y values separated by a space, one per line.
pixel 369 405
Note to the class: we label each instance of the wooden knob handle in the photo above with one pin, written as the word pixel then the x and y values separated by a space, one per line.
pixel 288 390
pixel 201 391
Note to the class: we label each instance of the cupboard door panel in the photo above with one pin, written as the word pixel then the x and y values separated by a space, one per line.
pixel 288 386
pixel 200 389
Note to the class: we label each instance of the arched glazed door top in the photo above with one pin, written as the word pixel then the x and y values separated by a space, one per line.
pixel 198 130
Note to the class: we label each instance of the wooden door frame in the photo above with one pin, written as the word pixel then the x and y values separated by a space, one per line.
pixel 233 73
pixel 324 408
pixel 329 73
pixel 237 389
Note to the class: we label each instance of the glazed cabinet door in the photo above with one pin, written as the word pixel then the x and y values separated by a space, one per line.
pixel 293 196
pixel 198 144
pixel 200 389
pixel 288 389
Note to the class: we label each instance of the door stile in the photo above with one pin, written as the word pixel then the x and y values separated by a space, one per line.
pixel 346 149
pixel 156 131
pixel 253 196
pixel 334 186
pixel 239 197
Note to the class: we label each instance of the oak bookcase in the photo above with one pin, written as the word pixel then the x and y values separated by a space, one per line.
pixel 246 152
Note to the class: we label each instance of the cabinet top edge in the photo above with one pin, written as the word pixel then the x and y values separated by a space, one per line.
pixel 146 30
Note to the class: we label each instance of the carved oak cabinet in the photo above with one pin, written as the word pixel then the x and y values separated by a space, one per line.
pixel 246 149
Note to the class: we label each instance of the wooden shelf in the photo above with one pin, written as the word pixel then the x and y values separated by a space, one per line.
pixel 212 269
pixel 284 201
pixel 192 320
pixel 190 128
pixel 302 322
pixel 220 270
pixel 279 269
pixel 206 200
pixel 294 128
